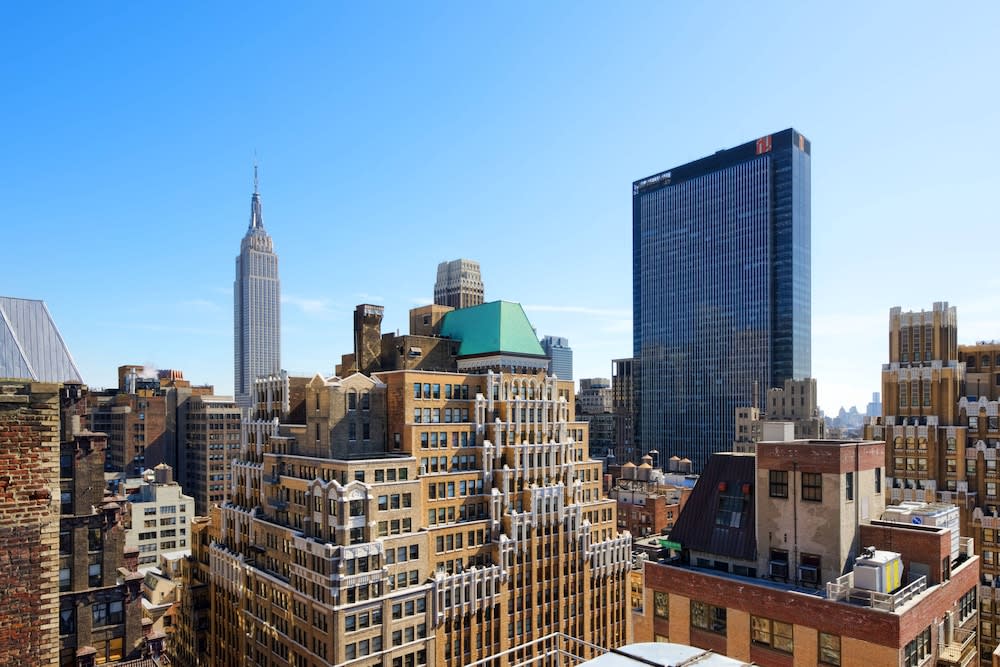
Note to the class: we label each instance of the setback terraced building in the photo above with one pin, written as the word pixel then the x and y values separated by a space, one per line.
pixel 421 512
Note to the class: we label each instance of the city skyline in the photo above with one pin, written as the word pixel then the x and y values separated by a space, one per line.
pixel 127 172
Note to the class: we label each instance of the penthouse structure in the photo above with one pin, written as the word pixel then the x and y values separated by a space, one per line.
pixel 431 504
pixel 790 557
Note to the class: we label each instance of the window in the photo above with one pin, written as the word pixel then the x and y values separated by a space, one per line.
pixel 661 604
pixel 812 486
pixel 730 511
pixel 967 605
pixel 849 485
pixel 768 632
pixel 94 575
pixel 708 617
pixel 829 649
pixel 778 483
pixel 67 620
pixel 878 480
pixel 917 649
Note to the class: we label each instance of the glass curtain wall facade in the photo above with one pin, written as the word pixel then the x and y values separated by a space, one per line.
pixel 721 290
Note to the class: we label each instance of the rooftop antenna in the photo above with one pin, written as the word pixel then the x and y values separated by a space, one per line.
pixel 256 181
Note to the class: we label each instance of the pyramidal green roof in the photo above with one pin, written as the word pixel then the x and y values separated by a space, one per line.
pixel 491 328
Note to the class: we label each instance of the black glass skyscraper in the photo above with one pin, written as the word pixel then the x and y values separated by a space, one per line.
pixel 721 290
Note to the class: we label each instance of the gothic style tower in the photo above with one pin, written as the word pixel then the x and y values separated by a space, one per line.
pixel 256 305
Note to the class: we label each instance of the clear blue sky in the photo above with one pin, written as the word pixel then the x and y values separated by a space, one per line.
pixel 397 135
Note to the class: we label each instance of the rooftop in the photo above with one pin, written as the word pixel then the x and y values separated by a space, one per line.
pixel 498 326
pixel 31 346
pixel 562 649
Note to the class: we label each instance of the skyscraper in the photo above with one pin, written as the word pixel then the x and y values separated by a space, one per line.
pixel 721 289
pixel 459 284
pixel 559 352
pixel 257 306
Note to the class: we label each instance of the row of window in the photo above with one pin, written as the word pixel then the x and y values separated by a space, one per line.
pixel 432 391
pixel 772 633
pixel 437 415
pixel 437 464
pixel 811 484
pixel 434 440
pixel 469 512
pixel 395 501
pixel 441 490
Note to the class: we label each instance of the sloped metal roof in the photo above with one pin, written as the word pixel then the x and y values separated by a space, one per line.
pixel 31 346
pixel 489 328
pixel 706 524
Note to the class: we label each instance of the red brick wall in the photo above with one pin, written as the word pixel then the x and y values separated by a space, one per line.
pixel 821 458
pixel 833 617
pixel 927 547
pixel 29 523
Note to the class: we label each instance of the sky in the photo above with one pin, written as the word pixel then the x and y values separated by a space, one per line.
pixel 393 136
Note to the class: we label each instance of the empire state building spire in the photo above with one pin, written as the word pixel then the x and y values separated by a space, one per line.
pixel 256 214
pixel 256 305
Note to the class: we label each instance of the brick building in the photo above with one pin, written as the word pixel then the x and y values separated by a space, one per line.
pixel 29 522
pixel 646 503
pixel 71 596
pixel 100 591
pixel 208 440
pixel 623 406
pixel 785 560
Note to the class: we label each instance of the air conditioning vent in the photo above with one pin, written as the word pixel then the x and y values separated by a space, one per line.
pixel 809 574
pixel 778 569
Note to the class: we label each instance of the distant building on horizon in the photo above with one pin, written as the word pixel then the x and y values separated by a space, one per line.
pixel 875 407
pixel 561 354
pixel 721 289
pixel 459 284
pixel 256 306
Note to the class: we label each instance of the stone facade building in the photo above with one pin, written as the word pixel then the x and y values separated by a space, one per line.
pixel 256 305
pixel 940 408
pixel 459 284
pixel 418 517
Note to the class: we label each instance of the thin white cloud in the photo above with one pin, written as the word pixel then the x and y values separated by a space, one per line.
pixel 371 298
pixel 313 307
pixel 201 304
pixel 197 331
pixel 579 310
pixel 622 326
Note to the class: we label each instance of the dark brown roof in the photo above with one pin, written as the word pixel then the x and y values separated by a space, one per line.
pixel 701 527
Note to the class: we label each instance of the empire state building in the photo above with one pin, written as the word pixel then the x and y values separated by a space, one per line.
pixel 257 306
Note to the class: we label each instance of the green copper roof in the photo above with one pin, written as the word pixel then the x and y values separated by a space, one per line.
pixel 490 328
